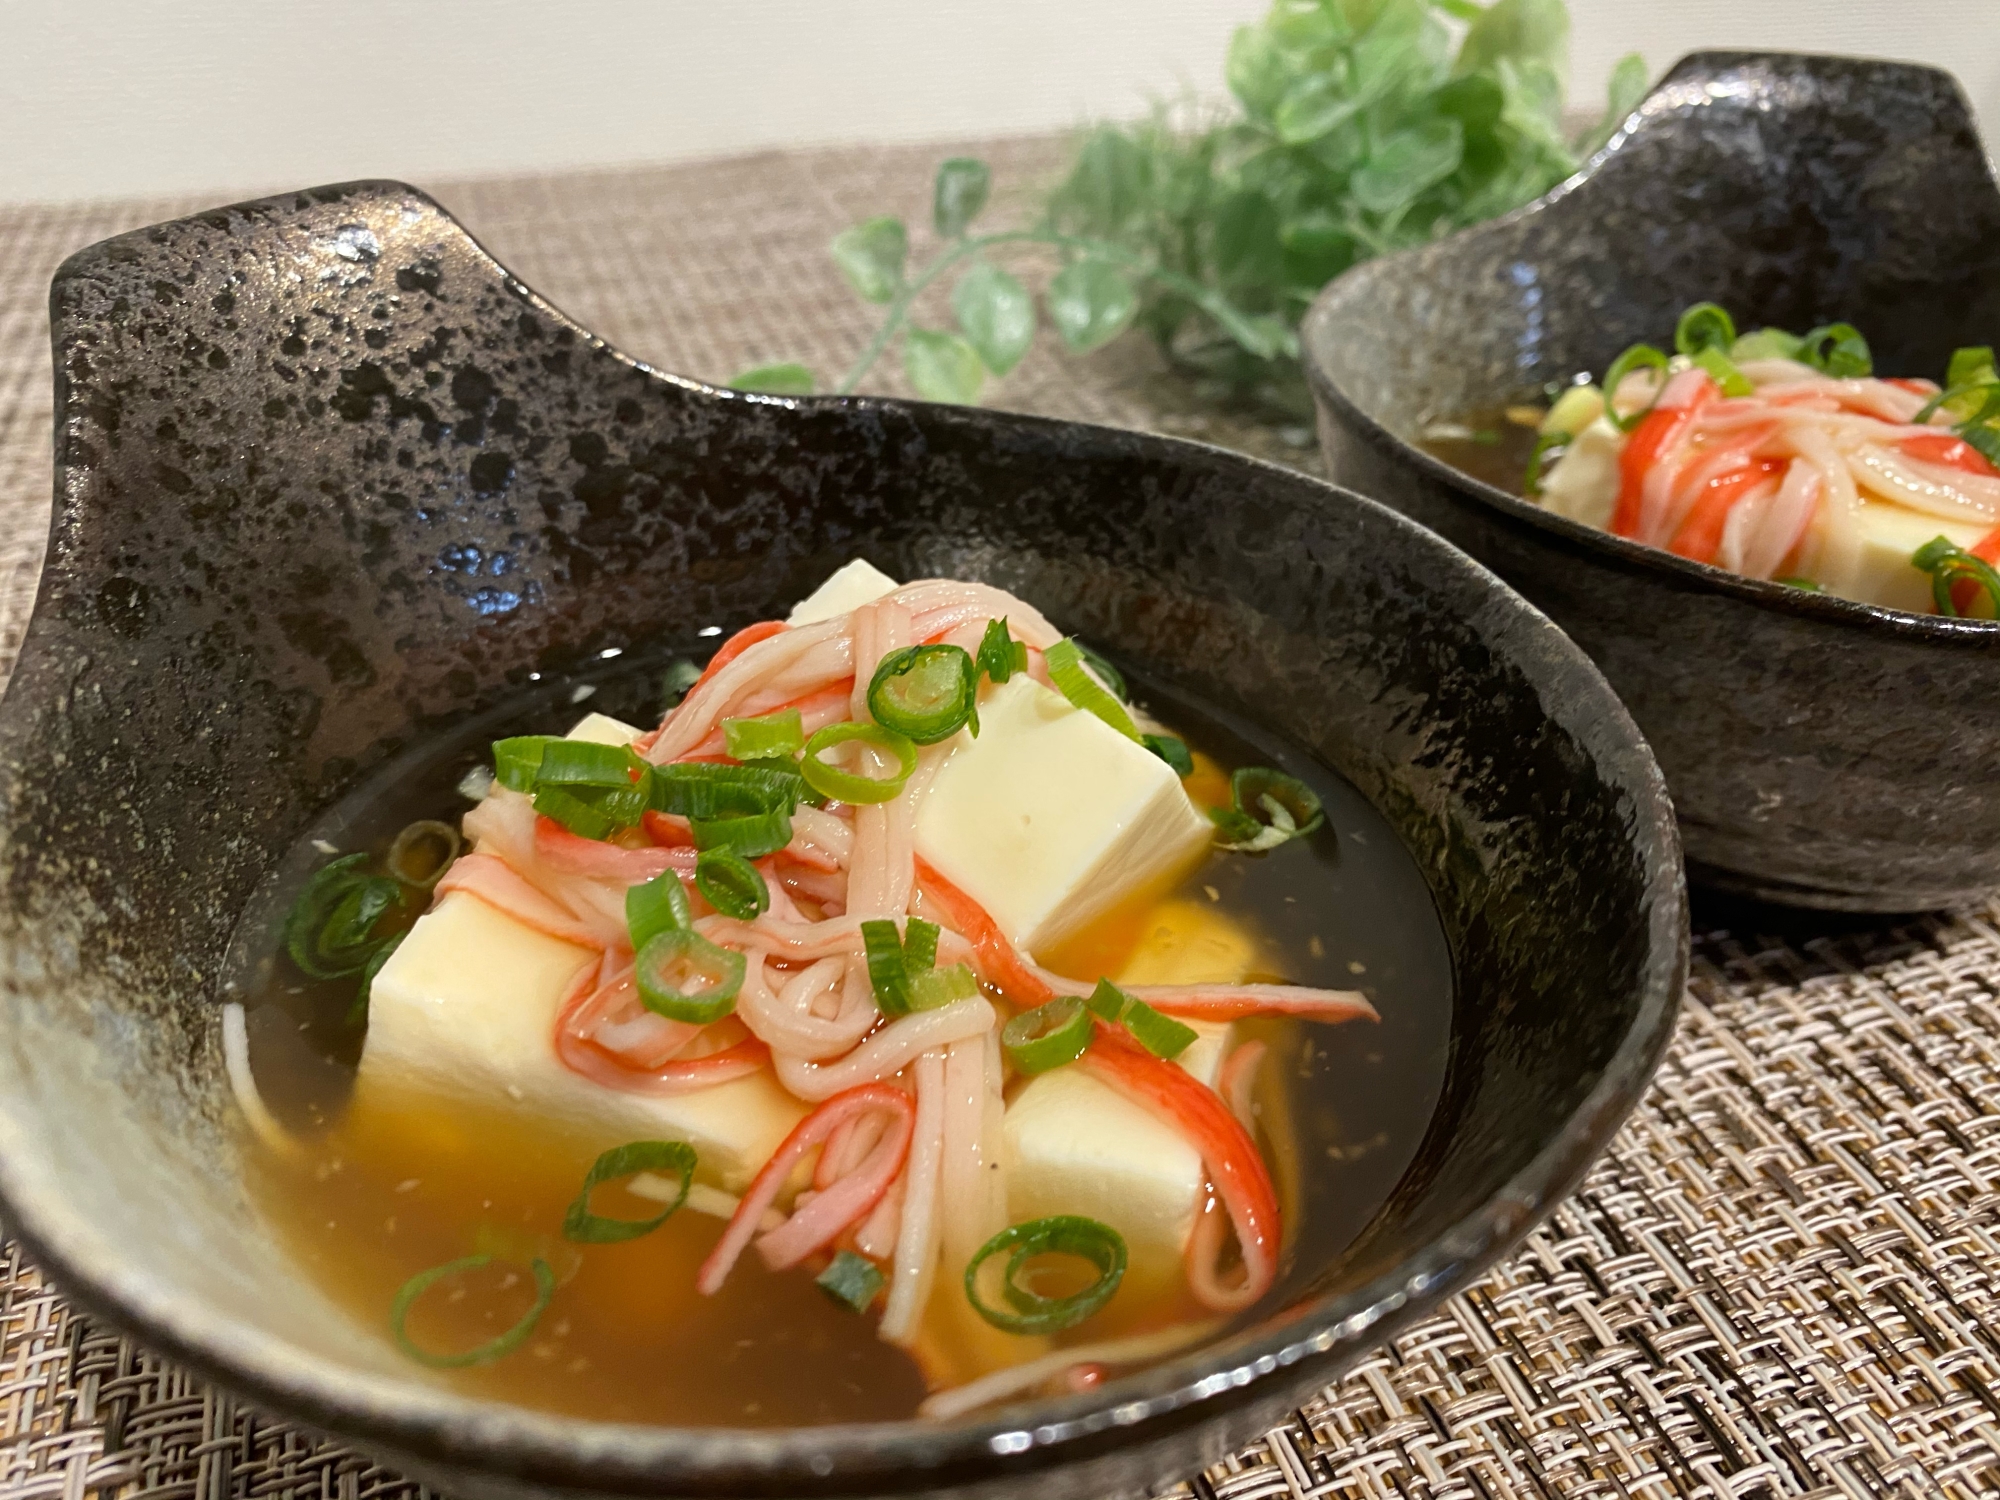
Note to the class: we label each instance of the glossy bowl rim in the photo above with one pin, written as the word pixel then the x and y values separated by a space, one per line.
pixel 1320 326
pixel 419 1423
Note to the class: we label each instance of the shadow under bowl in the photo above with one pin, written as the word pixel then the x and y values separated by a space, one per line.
pixel 330 481
pixel 1819 752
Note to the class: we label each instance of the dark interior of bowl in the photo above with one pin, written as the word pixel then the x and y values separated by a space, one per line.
pixel 330 481
pixel 1819 751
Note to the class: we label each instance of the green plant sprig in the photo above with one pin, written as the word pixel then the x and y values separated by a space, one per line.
pixel 1090 301
pixel 1359 127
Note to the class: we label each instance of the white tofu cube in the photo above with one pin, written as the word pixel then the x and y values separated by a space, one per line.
pixel 1882 570
pixel 466 1008
pixel 859 583
pixel 1051 817
pixel 1073 1145
pixel 602 729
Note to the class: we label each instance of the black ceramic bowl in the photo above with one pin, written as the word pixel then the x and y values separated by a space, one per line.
pixel 329 481
pixel 1819 752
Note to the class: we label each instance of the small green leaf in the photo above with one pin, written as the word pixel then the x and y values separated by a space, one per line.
pixel 1523 31
pixel 1255 71
pixel 872 255
pixel 1408 163
pixel 943 366
pixel 1246 238
pixel 996 314
pixel 1629 81
pixel 958 194
pixel 776 380
pixel 1314 106
pixel 1112 177
pixel 1090 302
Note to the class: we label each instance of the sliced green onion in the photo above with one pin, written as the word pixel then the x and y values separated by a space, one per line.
pixel 888 975
pixel 1062 1234
pixel 1067 672
pixel 587 1228
pixel 481 1354
pixel 516 762
pixel 656 906
pixel 1160 1035
pixel 753 836
pixel 1732 381
pixel 1000 655
pixel 920 940
pixel 1807 585
pixel 578 763
pixel 851 1280
pixel 698 789
pixel 847 786
pixel 731 884
pixel 1172 750
pixel 1269 808
pixel 1837 349
pixel 777 736
pixel 1948 563
pixel 684 977
pixel 1104 672
pixel 931 988
pixel 1704 326
pixel 1639 356
pixel 1546 444
pixel 330 930
pixel 1048 1036
pixel 422 853
pixel 925 693
pixel 357 1012
pixel 591 812
pixel 1972 365
pixel 1766 343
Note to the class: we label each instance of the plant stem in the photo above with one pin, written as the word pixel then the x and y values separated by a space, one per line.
pixel 1206 298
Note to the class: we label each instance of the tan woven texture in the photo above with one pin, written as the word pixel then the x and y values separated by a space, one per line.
pixel 1784 1278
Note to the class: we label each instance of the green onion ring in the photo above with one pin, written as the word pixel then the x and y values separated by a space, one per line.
pixel 847 786
pixel 700 789
pixel 888 973
pixel 329 931
pixel 669 959
pixel 587 1228
pixel 517 761
pixel 1704 326
pixel 1722 370
pixel 753 835
pixel 1060 1234
pixel 1048 1036
pixel 1159 1034
pixel 776 736
pixel 925 693
pixel 492 1349
pixel 1947 563
pixel 1633 358
pixel 404 861
pixel 357 1011
pixel 930 989
pixel 1000 655
pixel 656 906
pixel 1545 444
pixel 575 763
pixel 1171 749
pixel 851 1280
pixel 731 884
pixel 1837 350
pixel 1104 672
pixel 920 940
pixel 1067 672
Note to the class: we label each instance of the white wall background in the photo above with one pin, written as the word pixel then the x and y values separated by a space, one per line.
pixel 103 98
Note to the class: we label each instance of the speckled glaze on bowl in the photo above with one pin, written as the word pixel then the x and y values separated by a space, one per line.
pixel 329 480
pixel 1820 753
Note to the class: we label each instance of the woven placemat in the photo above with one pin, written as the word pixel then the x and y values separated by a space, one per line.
pixel 1783 1279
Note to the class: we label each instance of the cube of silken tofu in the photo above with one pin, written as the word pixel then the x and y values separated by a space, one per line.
pixel 1883 573
pixel 1051 817
pixel 850 587
pixel 1074 1145
pixel 466 1008
pixel 602 729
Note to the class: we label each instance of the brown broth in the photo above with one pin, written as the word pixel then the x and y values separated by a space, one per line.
pixel 1496 453
pixel 387 1187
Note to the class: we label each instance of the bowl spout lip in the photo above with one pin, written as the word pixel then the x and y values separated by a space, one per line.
pixel 1765 83
pixel 426 1426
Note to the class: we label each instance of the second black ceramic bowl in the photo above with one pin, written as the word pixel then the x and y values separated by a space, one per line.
pixel 1819 752
pixel 330 481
